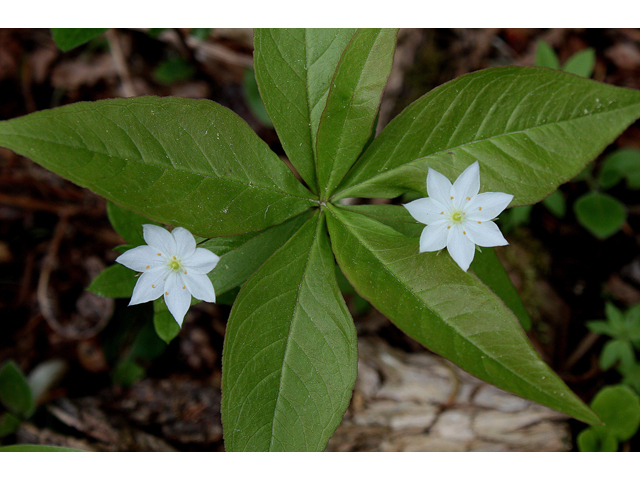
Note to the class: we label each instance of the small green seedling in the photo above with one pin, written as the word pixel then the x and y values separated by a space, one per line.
pixel 16 397
pixel 619 409
pixel 624 329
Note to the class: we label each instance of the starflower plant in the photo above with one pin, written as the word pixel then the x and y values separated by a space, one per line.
pixel 457 217
pixel 290 351
pixel 172 266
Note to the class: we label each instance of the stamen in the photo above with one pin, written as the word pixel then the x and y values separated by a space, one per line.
pixel 159 254
pixel 166 293
pixel 464 232
pixel 147 267
pixel 441 213
pixel 448 227
pixel 479 208
pixel 468 198
pixel 174 257
pixel 185 272
pixel 184 286
pixel 479 222
pixel 451 198
pixel 153 286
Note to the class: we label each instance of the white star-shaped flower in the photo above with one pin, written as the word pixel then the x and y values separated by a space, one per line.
pixel 457 216
pixel 171 265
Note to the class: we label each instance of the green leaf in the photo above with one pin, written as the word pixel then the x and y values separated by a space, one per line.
pixel 623 163
pixel 69 38
pixel 616 351
pixel 248 253
pixel 15 393
pixel 485 264
pixel 294 68
pixel 115 281
pixel 590 440
pixel 166 326
pixel 489 269
pixel 290 356
pixel 253 98
pixel 191 163
pixel 581 63
pixel 173 70
pixel 128 224
pixel 447 310
pixel 531 129
pixel 9 423
pixel 545 56
pixel 600 213
pixel 619 409
pixel 556 204
pixel 599 326
pixel 352 104
pixel 127 372
pixel 37 448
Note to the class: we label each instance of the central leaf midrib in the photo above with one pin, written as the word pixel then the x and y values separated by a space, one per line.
pixel 384 266
pixel 338 195
pixel 293 316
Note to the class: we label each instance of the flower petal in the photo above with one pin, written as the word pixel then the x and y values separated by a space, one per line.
pixel 487 206
pixel 466 186
pixel 426 210
pixel 460 247
pixel 202 261
pixel 185 243
pixel 200 287
pixel 485 234
pixel 438 187
pixel 149 286
pixel 177 297
pixel 141 258
pixel 434 237
pixel 159 238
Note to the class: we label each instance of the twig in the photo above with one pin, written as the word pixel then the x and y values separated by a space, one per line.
pixel 583 347
pixel 128 88
pixel 33 204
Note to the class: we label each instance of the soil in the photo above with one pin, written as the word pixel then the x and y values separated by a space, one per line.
pixel 55 236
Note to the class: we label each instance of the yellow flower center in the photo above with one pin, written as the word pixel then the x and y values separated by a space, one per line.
pixel 174 265
pixel 457 216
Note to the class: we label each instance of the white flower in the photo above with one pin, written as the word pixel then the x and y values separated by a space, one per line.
pixel 170 265
pixel 457 217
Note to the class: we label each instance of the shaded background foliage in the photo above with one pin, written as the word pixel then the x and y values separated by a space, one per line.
pixel 55 236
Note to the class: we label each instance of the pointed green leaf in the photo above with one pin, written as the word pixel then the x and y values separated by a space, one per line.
pixel 545 56
pixel 449 311
pixel 556 204
pixel 9 423
pixel 581 63
pixel 15 393
pixel 128 224
pixel 490 270
pixel 166 326
pixel 485 264
pixel 352 104
pixel 37 448
pixel 69 38
pixel 599 326
pixel 294 68
pixel 115 281
pixel 601 214
pixel 289 360
pixel 191 163
pixel 616 351
pixel 248 253
pixel 623 163
pixel 531 129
